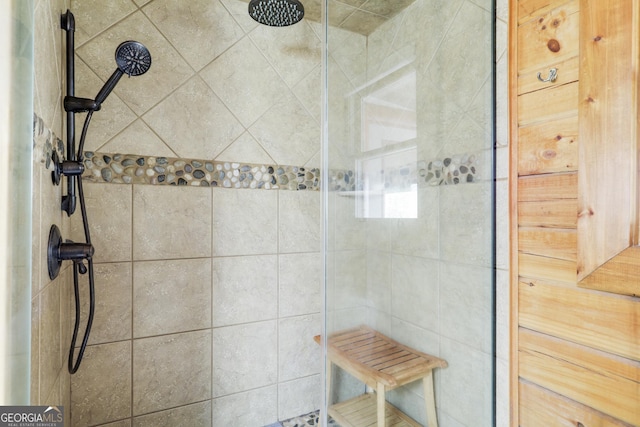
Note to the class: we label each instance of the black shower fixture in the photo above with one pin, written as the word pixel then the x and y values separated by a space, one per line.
pixel 276 13
pixel 132 59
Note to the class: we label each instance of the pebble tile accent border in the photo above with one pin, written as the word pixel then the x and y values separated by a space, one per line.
pixel 135 169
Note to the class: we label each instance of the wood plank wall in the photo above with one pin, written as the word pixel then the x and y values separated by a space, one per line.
pixel 575 352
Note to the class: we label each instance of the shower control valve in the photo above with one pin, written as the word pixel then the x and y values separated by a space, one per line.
pixel 58 251
pixel 65 167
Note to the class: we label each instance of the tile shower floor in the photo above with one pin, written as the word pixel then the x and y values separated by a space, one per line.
pixel 311 419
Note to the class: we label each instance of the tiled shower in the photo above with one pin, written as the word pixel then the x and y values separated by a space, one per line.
pixel 208 297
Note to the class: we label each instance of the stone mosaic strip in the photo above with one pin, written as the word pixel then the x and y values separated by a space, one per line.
pixel 133 169
pixel 449 171
pixel 308 420
pixel 45 142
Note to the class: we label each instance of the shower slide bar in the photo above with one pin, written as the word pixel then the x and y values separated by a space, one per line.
pixel 133 59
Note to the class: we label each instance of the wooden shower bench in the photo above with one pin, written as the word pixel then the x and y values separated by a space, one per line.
pixel 383 364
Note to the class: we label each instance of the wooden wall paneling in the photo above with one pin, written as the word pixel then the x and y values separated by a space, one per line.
pixel 568 72
pixel 534 266
pixel 603 321
pixel 607 120
pixel 513 212
pixel 542 407
pixel 607 383
pixel 548 213
pixel 550 38
pixel 549 104
pixel 525 10
pixel 547 187
pixel 548 147
pixel 621 275
pixel 552 243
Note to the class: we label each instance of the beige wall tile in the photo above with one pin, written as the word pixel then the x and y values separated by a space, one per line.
pixel 95 16
pixel 198 414
pixel 299 397
pixel 247 93
pixel 157 210
pixel 287 131
pixel 109 212
pixel 246 357
pixel 171 296
pixel 114 115
pixel 256 407
pixel 415 290
pixel 245 222
pixel 167 72
pixel 112 320
pixel 294 52
pixel 245 289
pixel 122 423
pixel 299 221
pixel 35 350
pixel 50 335
pixel 104 377
pixel 245 149
pixel 164 378
pixel 299 284
pixel 210 25
pixel 138 138
pixel 298 354
pixel 210 137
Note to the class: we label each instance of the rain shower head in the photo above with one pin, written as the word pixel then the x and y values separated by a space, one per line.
pixel 133 59
pixel 276 13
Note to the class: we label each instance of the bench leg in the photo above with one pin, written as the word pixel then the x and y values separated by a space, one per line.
pixel 430 400
pixel 381 403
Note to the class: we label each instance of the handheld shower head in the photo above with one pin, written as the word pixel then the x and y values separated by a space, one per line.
pixel 276 13
pixel 133 59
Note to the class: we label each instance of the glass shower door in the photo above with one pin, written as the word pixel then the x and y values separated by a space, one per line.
pixel 409 234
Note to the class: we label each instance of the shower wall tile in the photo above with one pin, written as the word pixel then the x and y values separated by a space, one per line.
pixel 464 387
pixel 309 92
pixel 299 284
pixel 245 147
pixel 465 314
pixel 163 377
pixel 415 291
pixel 48 76
pixel 109 210
pixel 50 335
pixel 299 221
pixel 252 408
pixel 298 354
pixel 105 377
pixel 238 10
pixel 157 210
pixel 294 52
pixel 350 279
pixel 138 138
pixel 245 289
pixel 122 423
pixel 209 21
pixel 198 414
pixel 114 114
pixel 96 16
pixel 245 222
pixel 194 99
pixel 246 357
pixel 35 351
pixel 379 275
pixel 167 72
pixel 244 81
pixel 287 120
pixel 466 236
pixel 112 321
pixel 299 397
pixel 171 296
